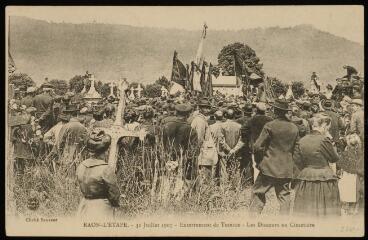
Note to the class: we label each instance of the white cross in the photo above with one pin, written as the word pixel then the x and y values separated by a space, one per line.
pixel 139 89
pixel 131 96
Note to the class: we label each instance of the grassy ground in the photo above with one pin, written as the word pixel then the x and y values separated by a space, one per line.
pixel 59 195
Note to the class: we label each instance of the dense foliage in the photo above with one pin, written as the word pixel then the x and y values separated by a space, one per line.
pixel 21 80
pixel 298 89
pixel 163 81
pixel 60 86
pixel 76 83
pixel 152 90
pixel 278 87
pixel 244 54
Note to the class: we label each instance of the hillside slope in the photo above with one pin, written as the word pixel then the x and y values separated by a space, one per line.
pixel 62 50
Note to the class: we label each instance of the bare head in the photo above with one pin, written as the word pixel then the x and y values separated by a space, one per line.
pixel 321 122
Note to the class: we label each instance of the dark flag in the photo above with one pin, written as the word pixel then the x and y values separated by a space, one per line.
pixel 203 78
pixel 11 64
pixel 191 75
pixel 209 82
pixel 188 85
pixel 179 71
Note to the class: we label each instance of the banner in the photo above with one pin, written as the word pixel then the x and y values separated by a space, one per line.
pixel 199 56
pixel 197 79
pixel 179 71
pixel 209 81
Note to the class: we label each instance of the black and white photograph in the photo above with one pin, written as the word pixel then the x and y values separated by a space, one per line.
pixel 184 121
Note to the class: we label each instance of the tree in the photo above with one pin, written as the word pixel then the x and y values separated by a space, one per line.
pixel 60 86
pixel 163 81
pixel 77 83
pixel 298 89
pixel 133 85
pixel 278 87
pixel 152 90
pixel 21 80
pixel 215 71
pixel 244 54
pixel 103 90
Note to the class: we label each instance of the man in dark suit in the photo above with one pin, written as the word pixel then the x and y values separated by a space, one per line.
pixel 44 100
pixel 247 114
pixel 336 122
pixel 253 128
pixel 179 135
pixel 277 139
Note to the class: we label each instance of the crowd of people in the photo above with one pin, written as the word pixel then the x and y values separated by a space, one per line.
pixel 313 145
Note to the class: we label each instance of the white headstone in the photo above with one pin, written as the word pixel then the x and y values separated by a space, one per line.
pixel 131 96
pixel 139 89
pixel 92 94
pixel 163 91
pixel 289 93
pixel 111 89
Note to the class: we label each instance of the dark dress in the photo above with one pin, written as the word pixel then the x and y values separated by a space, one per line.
pixel 316 190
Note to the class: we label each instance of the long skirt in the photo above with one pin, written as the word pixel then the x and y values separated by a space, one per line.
pixel 95 209
pixel 317 198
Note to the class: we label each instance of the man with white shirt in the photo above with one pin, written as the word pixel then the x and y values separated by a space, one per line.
pixel 51 136
pixel 200 125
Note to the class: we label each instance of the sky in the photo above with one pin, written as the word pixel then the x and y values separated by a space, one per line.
pixel 344 21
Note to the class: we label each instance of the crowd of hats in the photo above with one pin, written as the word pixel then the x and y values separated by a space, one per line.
pixel 219 106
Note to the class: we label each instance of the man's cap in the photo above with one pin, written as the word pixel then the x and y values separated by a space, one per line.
pixel 261 106
pixel 219 114
pixel 31 89
pixel 204 103
pixel 281 104
pixel 248 108
pixel 357 102
pixel 327 104
pixel 229 113
pixel 184 108
pixel 46 86
pixel 306 104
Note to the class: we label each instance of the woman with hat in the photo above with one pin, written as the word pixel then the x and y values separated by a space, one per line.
pixel 316 190
pixel 348 169
pixel 22 136
pixel 97 180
